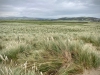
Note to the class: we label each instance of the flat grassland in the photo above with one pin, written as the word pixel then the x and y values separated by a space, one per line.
pixel 48 47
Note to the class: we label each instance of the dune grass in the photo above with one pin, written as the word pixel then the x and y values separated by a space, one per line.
pixel 53 49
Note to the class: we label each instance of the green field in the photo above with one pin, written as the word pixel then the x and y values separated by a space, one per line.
pixel 48 47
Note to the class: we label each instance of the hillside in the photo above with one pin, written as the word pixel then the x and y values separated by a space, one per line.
pixel 81 18
pixel 93 19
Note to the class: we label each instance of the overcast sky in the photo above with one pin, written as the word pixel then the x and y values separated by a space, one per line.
pixel 50 8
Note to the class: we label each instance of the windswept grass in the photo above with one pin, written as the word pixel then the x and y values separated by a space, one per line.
pixel 91 39
pixel 22 69
pixel 84 56
pixel 53 49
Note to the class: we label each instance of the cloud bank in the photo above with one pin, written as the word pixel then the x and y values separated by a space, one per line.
pixel 49 8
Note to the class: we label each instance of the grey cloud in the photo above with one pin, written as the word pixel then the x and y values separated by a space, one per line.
pixel 50 8
pixel 96 2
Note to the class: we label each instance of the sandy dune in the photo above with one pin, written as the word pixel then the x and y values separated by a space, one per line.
pixel 91 72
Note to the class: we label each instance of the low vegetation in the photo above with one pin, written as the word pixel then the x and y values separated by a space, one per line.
pixel 48 49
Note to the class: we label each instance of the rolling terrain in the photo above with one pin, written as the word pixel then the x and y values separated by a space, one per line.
pixel 29 47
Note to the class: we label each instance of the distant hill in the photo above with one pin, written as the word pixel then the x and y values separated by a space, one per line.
pixel 81 19
pixel 20 18
pixel 93 19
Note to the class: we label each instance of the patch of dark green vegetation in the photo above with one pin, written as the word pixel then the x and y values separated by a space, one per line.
pixel 39 22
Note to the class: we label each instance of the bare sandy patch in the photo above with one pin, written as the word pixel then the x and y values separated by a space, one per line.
pixel 91 72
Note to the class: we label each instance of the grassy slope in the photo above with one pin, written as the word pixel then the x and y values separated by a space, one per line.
pixel 36 48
